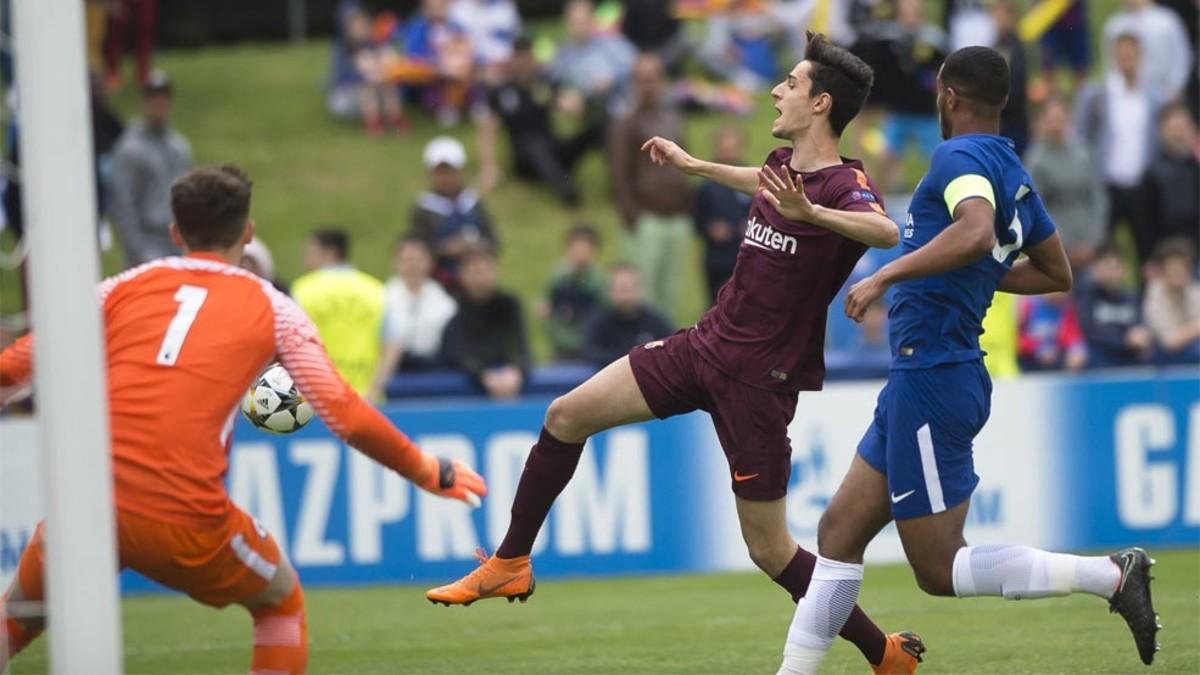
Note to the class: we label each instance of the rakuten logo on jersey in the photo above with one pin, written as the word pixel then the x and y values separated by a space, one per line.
pixel 765 236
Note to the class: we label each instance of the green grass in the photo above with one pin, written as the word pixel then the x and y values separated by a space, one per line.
pixel 732 623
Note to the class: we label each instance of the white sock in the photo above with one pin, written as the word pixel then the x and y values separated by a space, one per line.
pixel 1015 572
pixel 820 615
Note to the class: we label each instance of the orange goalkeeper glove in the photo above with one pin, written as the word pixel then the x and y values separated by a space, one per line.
pixel 452 479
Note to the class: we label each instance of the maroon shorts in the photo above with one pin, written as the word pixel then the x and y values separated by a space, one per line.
pixel 751 423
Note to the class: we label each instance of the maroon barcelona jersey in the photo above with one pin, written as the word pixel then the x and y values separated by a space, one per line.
pixel 768 326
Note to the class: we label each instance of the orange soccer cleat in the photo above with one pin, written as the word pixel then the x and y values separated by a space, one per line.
pixel 902 654
pixel 510 578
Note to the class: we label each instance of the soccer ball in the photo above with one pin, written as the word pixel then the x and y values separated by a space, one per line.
pixel 274 405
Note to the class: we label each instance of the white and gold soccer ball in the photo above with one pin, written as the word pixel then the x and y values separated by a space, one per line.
pixel 274 405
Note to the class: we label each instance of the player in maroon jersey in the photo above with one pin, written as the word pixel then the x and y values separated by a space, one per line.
pixel 812 217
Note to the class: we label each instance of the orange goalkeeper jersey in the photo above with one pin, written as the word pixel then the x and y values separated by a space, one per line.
pixel 185 337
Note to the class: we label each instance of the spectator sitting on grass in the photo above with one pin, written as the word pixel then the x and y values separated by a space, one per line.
pixel 486 338
pixel 416 314
pixel 625 322
pixel 1110 314
pixel 522 103
pixel 739 45
pixel 490 27
pixel 592 68
pixel 652 26
pixel 906 55
pixel 438 60
pixel 342 89
pixel 1173 176
pixel 1172 307
pixel 1065 175
pixel 575 291
pixel 720 212
pixel 1049 337
pixel 449 217
pixel 378 95
pixel 345 305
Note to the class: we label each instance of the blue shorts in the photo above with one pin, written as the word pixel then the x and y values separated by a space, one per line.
pixel 925 424
pixel 900 129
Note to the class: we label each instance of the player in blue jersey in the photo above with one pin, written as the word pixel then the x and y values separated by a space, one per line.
pixel 973 214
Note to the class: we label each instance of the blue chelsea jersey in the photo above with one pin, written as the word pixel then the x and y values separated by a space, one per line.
pixel 938 319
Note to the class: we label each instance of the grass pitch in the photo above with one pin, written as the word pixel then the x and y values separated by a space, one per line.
pixel 731 623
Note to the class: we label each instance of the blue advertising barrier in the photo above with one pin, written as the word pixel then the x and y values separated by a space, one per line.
pixel 1088 463
pixel 1130 464
pixel 343 519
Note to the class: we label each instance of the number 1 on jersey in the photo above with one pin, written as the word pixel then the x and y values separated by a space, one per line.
pixel 189 298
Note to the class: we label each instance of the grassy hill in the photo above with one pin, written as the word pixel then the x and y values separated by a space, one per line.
pixel 262 106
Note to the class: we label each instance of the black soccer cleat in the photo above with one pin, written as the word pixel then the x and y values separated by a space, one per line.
pixel 1132 600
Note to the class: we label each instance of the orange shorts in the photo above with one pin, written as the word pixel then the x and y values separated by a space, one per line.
pixel 226 563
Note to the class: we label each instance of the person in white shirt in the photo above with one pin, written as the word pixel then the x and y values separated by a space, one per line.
pixel 1116 117
pixel 1166 53
pixel 416 312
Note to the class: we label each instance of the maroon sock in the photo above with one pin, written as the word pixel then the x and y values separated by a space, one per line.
pixel 549 468
pixel 859 629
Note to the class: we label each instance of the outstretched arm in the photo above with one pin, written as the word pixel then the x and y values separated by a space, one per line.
pixel 1045 270
pixel 968 238
pixel 788 197
pixel 16 366
pixel 663 152
pixel 354 420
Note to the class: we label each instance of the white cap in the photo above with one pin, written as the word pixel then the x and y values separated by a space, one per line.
pixel 445 150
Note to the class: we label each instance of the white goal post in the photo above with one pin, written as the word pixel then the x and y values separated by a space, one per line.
pixel 54 118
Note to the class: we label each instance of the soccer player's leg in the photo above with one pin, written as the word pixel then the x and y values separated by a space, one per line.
pixel 21 614
pixel 280 624
pixel 610 398
pixel 234 561
pixel 858 511
pixel 934 463
pixel 775 552
pixel 751 425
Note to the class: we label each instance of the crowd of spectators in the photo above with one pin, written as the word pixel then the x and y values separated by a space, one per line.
pixel 1112 148
pixel 1113 155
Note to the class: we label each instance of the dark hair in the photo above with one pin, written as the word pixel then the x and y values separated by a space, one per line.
pixel 1173 108
pixel 1176 247
pixel 1110 249
pixel 978 74
pixel 411 240
pixel 1127 35
pixel 845 77
pixel 624 267
pixel 478 251
pixel 334 240
pixel 1051 100
pixel 583 231
pixel 211 206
